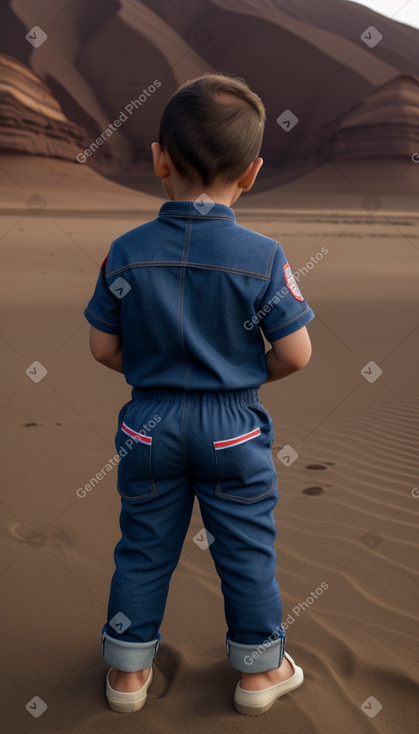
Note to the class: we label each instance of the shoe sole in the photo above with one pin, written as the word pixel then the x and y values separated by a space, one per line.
pixel 125 708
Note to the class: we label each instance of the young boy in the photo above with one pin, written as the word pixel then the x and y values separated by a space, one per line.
pixel 179 308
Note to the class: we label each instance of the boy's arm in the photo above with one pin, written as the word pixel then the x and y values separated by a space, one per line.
pixel 106 348
pixel 289 354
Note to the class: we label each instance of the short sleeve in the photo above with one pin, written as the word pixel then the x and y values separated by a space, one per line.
pixel 282 309
pixel 103 309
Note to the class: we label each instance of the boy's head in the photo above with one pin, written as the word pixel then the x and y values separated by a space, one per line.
pixel 212 129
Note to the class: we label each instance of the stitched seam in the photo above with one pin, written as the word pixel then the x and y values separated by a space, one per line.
pixel 102 320
pixel 272 257
pixel 242 500
pixel 128 498
pixel 184 433
pixel 180 332
pixel 176 263
pixel 198 216
pixel 282 326
pixel 271 261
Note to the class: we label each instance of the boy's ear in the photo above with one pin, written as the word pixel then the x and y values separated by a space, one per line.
pixel 161 167
pixel 248 178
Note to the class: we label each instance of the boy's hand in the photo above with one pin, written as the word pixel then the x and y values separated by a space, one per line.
pixel 289 354
pixel 106 349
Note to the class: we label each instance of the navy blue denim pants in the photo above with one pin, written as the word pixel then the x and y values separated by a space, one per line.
pixel 215 445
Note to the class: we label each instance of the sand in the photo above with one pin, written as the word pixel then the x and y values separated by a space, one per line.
pixel 346 517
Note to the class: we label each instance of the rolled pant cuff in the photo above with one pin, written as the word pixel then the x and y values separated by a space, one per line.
pixel 129 656
pixel 256 658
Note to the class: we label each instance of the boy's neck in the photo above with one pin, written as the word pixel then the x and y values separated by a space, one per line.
pixel 205 196
pixel 226 195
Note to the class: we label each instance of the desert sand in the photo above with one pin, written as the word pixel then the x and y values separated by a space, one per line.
pixel 346 517
pixel 339 191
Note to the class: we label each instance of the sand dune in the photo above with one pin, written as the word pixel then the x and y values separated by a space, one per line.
pixel 305 57
pixel 388 117
pixel 31 120
pixel 19 81
pixel 348 19
pixel 42 185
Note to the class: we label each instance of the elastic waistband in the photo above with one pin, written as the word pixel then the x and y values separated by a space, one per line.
pixel 247 396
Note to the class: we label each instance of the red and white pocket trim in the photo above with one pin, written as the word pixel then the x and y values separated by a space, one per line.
pixel 139 437
pixel 236 440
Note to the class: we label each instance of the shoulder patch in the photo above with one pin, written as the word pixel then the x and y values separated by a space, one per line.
pixel 291 284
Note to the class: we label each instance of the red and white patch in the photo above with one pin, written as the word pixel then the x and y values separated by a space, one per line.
pixel 291 284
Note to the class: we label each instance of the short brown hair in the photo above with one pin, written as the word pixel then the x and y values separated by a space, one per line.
pixel 213 127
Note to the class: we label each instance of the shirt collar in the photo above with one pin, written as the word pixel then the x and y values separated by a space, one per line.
pixel 192 209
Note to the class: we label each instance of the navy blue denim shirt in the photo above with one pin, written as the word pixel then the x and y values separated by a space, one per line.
pixel 189 293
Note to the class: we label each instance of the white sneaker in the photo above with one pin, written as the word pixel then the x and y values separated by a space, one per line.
pixel 254 703
pixel 126 703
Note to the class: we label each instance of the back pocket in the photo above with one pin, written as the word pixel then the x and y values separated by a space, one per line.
pixel 245 471
pixel 135 477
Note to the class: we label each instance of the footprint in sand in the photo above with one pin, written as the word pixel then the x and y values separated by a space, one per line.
pixel 166 664
pixel 314 491
pixel 41 536
pixel 319 467
pixel 30 424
